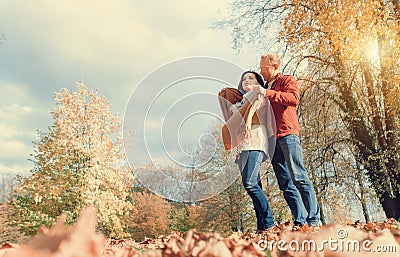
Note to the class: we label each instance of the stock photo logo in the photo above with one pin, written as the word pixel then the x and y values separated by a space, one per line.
pixel 175 115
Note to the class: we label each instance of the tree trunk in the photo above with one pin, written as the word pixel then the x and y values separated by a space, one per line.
pixel 322 214
pixel 391 206
pixel 365 210
pixel 390 198
pixel 363 198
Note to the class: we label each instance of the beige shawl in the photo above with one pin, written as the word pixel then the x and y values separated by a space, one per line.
pixel 254 109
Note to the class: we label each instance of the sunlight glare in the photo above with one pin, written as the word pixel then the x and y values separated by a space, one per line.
pixel 372 51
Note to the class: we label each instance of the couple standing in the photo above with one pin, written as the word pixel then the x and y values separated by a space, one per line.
pixel 282 92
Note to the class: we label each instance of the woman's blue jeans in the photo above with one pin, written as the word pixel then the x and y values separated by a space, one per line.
pixel 293 180
pixel 249 165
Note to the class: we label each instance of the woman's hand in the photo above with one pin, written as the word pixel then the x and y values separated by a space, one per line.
pixel 248 132
pixel 249 119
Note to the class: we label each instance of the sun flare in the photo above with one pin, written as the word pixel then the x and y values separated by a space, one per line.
pixel 372 51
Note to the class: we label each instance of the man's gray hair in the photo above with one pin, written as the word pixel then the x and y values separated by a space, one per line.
pixel 273 58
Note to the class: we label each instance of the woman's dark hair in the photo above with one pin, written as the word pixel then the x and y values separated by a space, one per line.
pixel 259 78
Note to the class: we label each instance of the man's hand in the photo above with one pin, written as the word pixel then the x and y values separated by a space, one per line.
pixel 259 89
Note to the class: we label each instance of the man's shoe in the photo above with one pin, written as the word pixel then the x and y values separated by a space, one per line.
pixel 298 228
pixel 306 228
pixel 314 228
pixel 271 230
pixel 259 231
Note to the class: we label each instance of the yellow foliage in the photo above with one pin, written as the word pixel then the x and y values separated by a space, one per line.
pixel 80 161
pixel 344 26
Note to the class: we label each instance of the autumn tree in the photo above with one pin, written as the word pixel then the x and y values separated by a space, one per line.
pixel 341 185
pixel 78 162
pixel 352 49
pixel 225 212
pixel 150 216
pixel 227 209
pixel 7 184
pixel 8 232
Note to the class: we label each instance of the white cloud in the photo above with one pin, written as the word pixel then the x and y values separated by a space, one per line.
pixel 15 120
pixel 15 169
pixel 17 128
pixel 9 131
pixel 14 93
pixel 15 109
pixel 98 34
pixel 15 150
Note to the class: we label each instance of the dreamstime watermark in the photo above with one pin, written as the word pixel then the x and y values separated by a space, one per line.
pixel 170 111
pixel 339 244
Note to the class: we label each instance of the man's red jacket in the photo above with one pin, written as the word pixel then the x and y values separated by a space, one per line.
pixel 284 96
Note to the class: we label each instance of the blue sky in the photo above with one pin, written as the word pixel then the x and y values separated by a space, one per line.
pixel 112 45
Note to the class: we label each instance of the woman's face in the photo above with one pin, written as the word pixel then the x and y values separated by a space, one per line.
pixel 248 81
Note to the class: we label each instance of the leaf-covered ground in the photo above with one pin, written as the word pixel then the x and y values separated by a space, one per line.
pixel 81 240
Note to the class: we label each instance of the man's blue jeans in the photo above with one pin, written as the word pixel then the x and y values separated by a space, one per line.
pixel 293 180
pixel 249 165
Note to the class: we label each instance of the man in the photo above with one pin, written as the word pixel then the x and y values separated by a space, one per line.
pixel 287 162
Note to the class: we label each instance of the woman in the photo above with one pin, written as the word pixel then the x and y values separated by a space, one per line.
pixel 254 143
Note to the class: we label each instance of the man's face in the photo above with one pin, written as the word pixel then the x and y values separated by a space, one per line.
pixel 267 70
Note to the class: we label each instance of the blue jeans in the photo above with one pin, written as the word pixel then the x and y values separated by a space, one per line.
pixel 294 182
pixel 249 164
